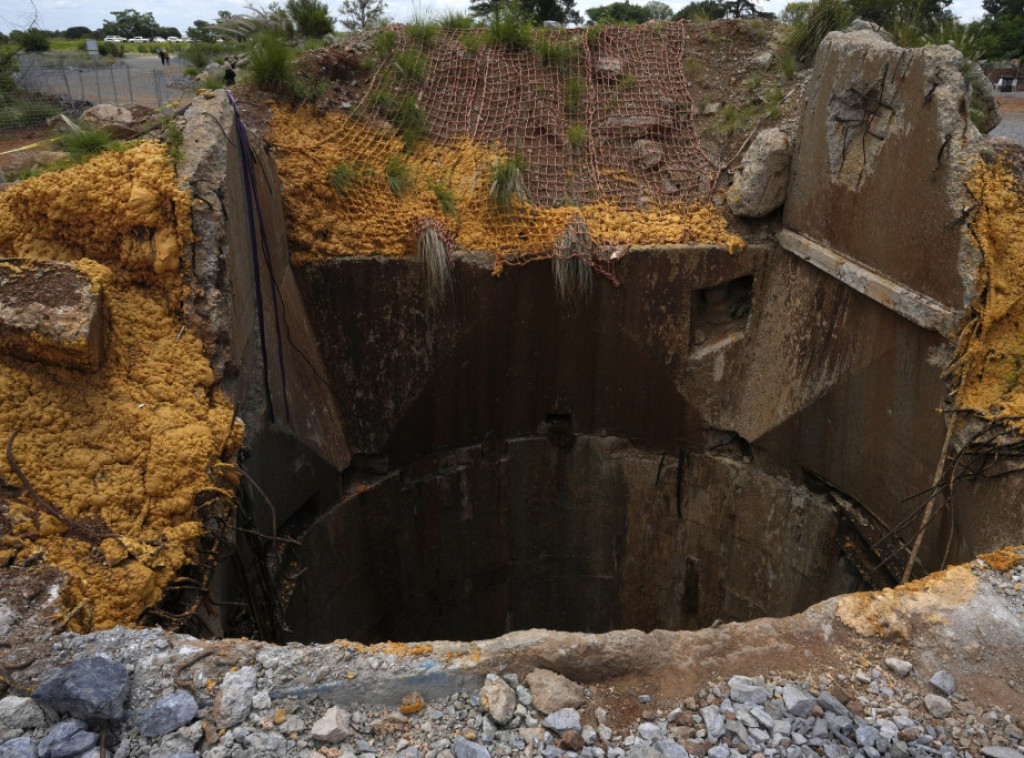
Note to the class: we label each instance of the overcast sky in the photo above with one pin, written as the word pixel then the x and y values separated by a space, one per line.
pixel 61 14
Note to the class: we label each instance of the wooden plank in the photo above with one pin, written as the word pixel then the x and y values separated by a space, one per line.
pixel 917 308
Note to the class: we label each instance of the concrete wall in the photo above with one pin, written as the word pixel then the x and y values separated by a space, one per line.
pixel 598 535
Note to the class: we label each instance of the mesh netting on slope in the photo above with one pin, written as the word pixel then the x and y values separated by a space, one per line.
pixel 507 149
pixel 607 118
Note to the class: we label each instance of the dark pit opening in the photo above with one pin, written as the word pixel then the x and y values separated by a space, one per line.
pixel 564 531
pixel 720 313
pixel 519 464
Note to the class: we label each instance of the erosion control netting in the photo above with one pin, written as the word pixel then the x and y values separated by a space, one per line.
pixel 607 119
pixel 505 148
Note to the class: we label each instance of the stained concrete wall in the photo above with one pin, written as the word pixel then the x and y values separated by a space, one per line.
pixel 529 533
pixel 878 171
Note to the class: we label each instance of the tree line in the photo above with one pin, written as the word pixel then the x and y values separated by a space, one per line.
pixel 997 36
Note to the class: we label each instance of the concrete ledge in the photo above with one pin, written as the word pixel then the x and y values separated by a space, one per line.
pixel 912 305
pixel 52 313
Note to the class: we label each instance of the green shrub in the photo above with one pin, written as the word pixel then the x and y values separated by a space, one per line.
pixel 474 43
pixel 270 62
pixel 577 135
pixel 411 64
pixel 345 176
pixel 556 52
pixel 445 197
pixel 399 176
pixel 574 92
pixel 452 19
pixel 199 54
pixel 85 142
pixel 309 88
pixel 822 17
pixel 510 27
pixel 508 184
pixel 384 42
pixel 422 30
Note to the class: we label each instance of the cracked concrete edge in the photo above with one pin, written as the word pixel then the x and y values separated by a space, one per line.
pixel 962 619
pixel 208 132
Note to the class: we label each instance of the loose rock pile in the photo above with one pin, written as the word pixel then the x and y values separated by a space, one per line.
pixel 874 711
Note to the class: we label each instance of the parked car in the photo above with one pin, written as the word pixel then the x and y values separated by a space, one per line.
pixel 159 39
pixel 170 39
pixel 113 39
pixel 139 39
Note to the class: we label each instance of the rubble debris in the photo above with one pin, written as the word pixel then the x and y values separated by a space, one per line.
pixel 122 121
pixel 51 312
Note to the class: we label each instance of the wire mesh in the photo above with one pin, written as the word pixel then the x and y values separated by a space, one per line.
pixel 507 149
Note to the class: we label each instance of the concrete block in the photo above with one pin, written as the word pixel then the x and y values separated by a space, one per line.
pixel 51 312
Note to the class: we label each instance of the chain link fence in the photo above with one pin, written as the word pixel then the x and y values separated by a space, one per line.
pixel 41 92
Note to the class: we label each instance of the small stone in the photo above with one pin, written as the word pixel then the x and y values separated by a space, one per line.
pixel 234 698
pixel 21 713
pixel 747 690
pixel 333 726
pixel 943 681
pixel 20 747
pixel 649 731
pixel 463 748
pixel 74 745
pixel 563 720
pixel 899 667
pixel 604 732
pixel 714 722
pixel 169 713
pixel 498 699
pixel 670 749
pixel 938 706
pixel 796 701
pixel 90 688
pixel 998 751
pixel 59 734
pixel 718 751
pixel 571 740
pixel 552 692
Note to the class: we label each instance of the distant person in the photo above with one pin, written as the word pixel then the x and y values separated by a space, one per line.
pixel 229 76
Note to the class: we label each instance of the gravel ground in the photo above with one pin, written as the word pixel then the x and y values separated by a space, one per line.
pixel 1012 125
pixel 870 707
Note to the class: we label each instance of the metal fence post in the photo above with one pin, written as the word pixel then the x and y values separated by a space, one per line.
pixel 113 84
pixel 157 81
pixel 99 90
pixel 128 71
pixel 81 83
pixel 67 86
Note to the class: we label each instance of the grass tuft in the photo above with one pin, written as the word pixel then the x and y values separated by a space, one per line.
pixel 508 184
pixel 398 174
pixel 571 266
pixel 437 264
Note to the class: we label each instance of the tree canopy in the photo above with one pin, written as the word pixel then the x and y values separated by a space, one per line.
pixel 131 23
pixel 357 15
pixel 562 11
pixel 311 17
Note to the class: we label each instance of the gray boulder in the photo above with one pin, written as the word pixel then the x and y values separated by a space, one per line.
pixel 760 186
pixel 90 688
pixel 167 714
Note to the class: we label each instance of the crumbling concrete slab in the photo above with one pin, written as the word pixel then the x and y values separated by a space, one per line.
pixel 51 312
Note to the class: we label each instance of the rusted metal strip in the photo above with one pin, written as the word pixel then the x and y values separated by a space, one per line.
pixel 917 308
